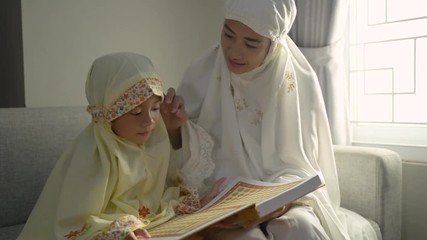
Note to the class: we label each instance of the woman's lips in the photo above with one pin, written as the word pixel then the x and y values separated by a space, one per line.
pixel 234 64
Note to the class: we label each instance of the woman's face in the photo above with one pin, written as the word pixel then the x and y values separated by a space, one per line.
pixel 138 124
pixel 243 48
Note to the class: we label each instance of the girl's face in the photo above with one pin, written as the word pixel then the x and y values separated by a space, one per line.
pixel 243 48
pixel 138 124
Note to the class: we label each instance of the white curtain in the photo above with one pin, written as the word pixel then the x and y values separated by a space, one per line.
pixel 319 31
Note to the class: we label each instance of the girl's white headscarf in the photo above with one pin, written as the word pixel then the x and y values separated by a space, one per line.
pixel 270 123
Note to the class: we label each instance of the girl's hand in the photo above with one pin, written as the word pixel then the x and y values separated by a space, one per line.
pixel 138 234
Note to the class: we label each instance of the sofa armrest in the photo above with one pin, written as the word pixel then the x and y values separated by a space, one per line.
pixel 370 182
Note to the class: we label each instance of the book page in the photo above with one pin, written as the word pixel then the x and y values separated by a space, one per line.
pixel 239 195
pixel 239 182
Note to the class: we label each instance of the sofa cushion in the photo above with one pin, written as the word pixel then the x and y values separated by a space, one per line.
pixel 371 184
pixel 11 232
pixel 32 139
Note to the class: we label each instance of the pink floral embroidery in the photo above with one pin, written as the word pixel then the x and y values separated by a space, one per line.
pixel 144 212
pixel 73 234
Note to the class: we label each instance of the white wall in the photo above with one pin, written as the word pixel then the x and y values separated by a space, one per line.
pixel 61 39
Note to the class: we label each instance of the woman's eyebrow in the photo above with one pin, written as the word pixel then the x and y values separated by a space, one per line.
pixel 228 28
pixel 247 38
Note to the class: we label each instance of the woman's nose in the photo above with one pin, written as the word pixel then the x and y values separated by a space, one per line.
pixel 235 51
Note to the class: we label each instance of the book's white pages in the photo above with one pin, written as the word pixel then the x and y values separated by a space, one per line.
pixel 239 195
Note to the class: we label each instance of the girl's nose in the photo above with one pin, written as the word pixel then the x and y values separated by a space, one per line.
pixel 147 119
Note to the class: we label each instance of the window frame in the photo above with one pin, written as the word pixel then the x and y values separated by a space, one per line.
pixel 408 139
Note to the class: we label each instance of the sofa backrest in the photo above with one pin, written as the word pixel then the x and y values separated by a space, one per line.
pixel 31 141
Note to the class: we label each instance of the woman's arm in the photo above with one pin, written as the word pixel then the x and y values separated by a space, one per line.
pixel 174 116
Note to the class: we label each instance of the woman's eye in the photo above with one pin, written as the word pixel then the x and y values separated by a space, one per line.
pixel 251 45
pixel 227 35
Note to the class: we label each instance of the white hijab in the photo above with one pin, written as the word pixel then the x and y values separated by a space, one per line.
pixel 272 125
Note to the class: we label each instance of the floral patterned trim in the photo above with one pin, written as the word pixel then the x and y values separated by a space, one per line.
pixel 189 200
pixel 132 97
pixel 121 227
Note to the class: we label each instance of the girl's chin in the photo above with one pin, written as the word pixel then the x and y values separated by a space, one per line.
pixel 142 138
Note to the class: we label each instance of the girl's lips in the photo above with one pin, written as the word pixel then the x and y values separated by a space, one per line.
pixel 145 133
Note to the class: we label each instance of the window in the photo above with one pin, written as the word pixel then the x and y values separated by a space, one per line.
pixel 388 72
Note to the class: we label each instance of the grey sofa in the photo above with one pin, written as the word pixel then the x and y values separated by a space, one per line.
pixel 32 139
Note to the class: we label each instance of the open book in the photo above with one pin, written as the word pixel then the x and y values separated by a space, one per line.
pixel 247 198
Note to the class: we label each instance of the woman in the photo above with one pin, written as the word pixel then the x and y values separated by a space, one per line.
pixel 113 181
pixel 258 97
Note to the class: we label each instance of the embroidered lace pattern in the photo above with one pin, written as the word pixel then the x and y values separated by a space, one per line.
pixel 290 78
pixel 197 170
pixel 132 97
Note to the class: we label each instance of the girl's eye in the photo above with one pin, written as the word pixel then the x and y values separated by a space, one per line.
pixel 155 108
pixel 136 111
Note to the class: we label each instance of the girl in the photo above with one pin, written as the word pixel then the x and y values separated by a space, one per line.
pixel 113 181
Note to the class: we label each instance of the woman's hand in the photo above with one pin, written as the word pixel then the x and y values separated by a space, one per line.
pixel 216 189
pixel 138 234
pixel 174 116
pixel 235 221
pixel 248 224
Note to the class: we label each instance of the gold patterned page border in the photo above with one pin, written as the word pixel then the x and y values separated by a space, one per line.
pixel 247 194
pixel 242 195
pixel 181 225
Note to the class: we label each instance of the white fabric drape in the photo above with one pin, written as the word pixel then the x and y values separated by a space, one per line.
pixel 269 123
pixel 319 33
